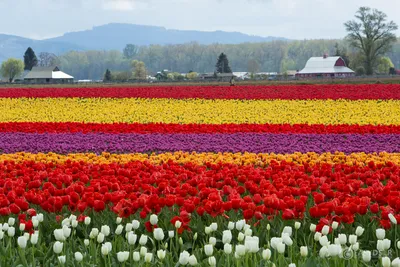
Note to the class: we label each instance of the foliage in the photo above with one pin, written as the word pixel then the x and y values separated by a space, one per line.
pixel 342 53
pixel 130 51
pixel 192 75
pixel 11 68
pixel 122 76
pixel 48 60
pixel 107 76
pixel 30 59
pixel 222 65
pixel 139 70
pixel 384 65
pixel 253 66
pixel 372 35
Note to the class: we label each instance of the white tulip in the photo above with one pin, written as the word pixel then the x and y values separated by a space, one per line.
pixel 58 247
pixel 352 239
pixel 86 242
pixel 1 234
pixel 207 230
pixel 161 254
pixel 34 238
pixel 180 241
pixel 93 233
pixel 171 234
pixel 66 231
pixel 184 257
pixel 313 227
pixel 195 236
pixel 158 234
pixel 380 246
pixel 317 236
pixel 386 262
pixel 66 222
pixel 280 247
pixel 275 241
pixel 268 227
pixel 248 232
pixel 105 229
pixel 109 245
pixel 240 224
pixel 212 240
pixel 297 225
pixel 87 220
pixel 366 256
pixel 61 259
pixel 335 225
pixel 380 233
pixel 342 239
pixel 208 249
pixel 240 250
pixel 27 236
pixel 119 230
pixel 143 240
pixel 122 256
pixel 359 231
pixel 100 238
pixel 355 247
pixel 398 244
pixel 143 251
pixel 303 251
pixel 178 225
pixel 22 241
pixel 136 256
pixel 288 230
pixel 74 223
pixel 5 227
pixel 148 257
pixel 227 248
pixel 231 225
pixel 78 256
pixel 241 237
pixel 105 250
pixel 21 227
pixel 251 244
pixel 392 219
pixel 226 236
pixel 245 227
pixel 325 230
pixel 266 254
pixel 386 243
pixel 40 217
pixel 323 252
pixel 324 240
pixel 11 231
pixel 35 222
pixel 128 227
pixel 59 234
pixel 212 261
pixel 118 220
pixel 287 240
pixel 11 221
pixel 153 219
pixel 396 262
pixel 135 224
pixel 292 265
pixel 334 250
pixel 192 260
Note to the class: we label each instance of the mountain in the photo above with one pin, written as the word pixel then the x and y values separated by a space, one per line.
pixel 116 36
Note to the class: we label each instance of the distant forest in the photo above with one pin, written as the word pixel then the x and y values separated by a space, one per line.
pixel 274 56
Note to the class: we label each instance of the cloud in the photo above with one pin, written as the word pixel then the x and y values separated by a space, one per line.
pixel 118 5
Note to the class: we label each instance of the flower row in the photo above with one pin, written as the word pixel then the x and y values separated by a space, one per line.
pixel 139 110
pixel 335 192
pixel 327 91
pixel 65 143
pixel 117 128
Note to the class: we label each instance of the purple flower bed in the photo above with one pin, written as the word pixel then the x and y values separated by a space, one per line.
pixel 240 142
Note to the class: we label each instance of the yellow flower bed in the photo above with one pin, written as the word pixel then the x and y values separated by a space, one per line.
pixel 108 110
pixel 311 158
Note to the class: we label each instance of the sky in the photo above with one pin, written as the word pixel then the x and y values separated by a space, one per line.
pixel 294 19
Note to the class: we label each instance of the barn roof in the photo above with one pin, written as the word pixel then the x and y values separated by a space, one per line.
pixel 324 65
pixel 47 73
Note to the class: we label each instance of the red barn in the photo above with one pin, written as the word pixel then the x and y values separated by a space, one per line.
pixel 325 67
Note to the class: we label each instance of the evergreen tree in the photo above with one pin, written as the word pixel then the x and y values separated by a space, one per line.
pixel 222 65
pixel 30 59
pixel 107 76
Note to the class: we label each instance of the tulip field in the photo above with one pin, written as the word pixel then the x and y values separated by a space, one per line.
pixel 285 175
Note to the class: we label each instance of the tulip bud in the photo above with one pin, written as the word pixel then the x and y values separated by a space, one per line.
pixel 323 252
pixel 396 262
pixel 148 257
pixel 386 262
pixel 192 260
pixel 22 242
pixel 153 219
pixel 208 249
pixel 214 227
pixel 359 231
pixel 100 238
pixel 34 239
pixel 184 257
pixel 118 220
pixel 398 244
pixel 386 244
pixel 74 223
pixel 21 227
pixel 288 230
pixel 136 256
pixel 143 251
pixel 287 240
pixel 392 218
pixel 1 234
pixel 355 247
pixel 207 230
pixel 158 234
pixel 161 254
pixel 35 222
pixel 297 225
pixel 171 234
pixel 58 247
pixel 178 225
pixel 5 227
pixel 248 232
pixel 303 251
pixel 180 241
pixel 342 239
pixel 313 227
pixel 292 265
pixel 212 261
pixel 78 256
pixel 119 230
pixel 61 259
pixel 240 250
pixel 87 220
pixel 280 248
pixel 105 229
pixel 325 230
pixel 40 217
pixel 334 250
pixel 335 225
pixel 212 240
pixel 227 248
pixel 105 250
pixel 226 236
pixel 195 236
pixel 86 242
pixel 352 239
pixel 66 231
pixel 240 224
pixel 231 225
pixel 324 240
pixel 11 221
pixel 135 224
pixel 245 227
pixel 380 233
pixel 93 233
pixel 122 256
pixel 366 256
pixel 143 240
pixel 266 254
pixel 241 237
pixel 11 231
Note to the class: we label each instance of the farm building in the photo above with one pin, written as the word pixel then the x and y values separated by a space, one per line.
pixel 47 75
pixel 325 67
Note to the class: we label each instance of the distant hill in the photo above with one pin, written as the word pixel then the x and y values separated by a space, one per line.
pixel 116 36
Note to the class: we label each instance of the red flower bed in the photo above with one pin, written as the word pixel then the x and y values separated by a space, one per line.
pixel 118 128
pixel 326 91
pixel 283 188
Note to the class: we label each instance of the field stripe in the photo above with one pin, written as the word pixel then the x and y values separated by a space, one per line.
pixel 240 142
pixel 131 110
pixel 326 91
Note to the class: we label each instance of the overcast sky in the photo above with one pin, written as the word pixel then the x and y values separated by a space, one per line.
pixel 296 19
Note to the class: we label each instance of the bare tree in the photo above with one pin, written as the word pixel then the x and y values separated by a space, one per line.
pixel 48 60
pixel 372 34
